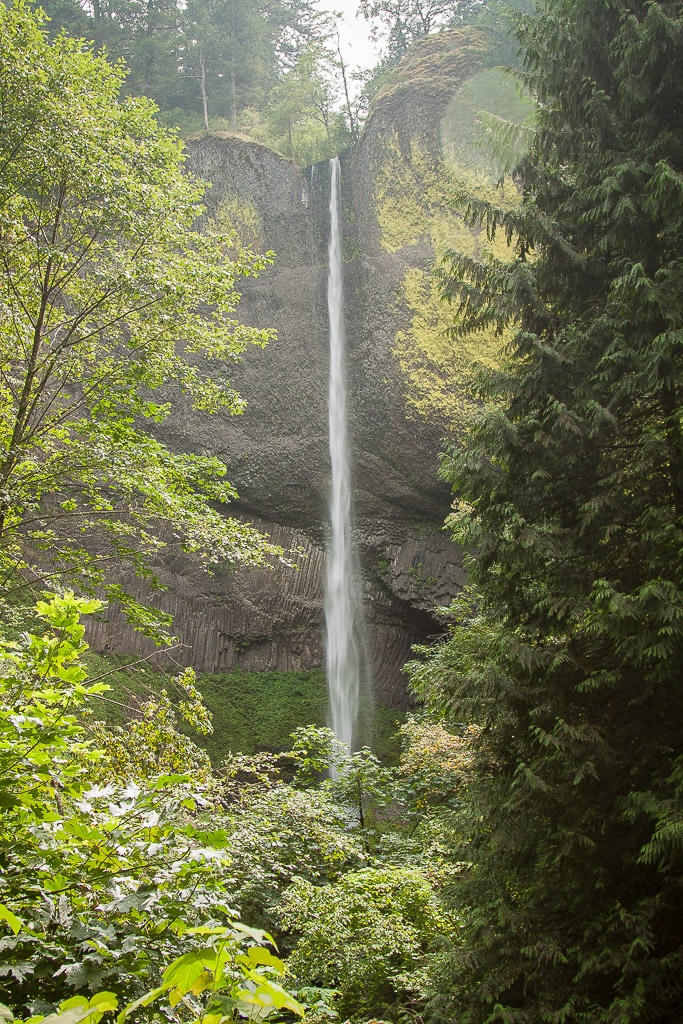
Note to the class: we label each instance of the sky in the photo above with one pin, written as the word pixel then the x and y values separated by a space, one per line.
pixel 358 49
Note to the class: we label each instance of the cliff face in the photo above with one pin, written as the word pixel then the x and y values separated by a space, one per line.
pixel 402 374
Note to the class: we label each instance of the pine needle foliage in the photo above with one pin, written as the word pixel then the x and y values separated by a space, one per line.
pixel 570 499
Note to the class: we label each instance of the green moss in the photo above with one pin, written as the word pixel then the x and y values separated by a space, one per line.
pixel 435 65
pixel 258 710
pixel 130 680
pixel 386 743
pixel 383 564
pixel 241 219
pixel 436 367
pixel 420 579
pixel 251 710
pixel 415 199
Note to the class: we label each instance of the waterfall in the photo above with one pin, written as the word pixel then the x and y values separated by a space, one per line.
pixel 342 597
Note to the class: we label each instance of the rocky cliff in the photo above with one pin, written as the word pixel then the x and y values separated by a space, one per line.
pixel 404 377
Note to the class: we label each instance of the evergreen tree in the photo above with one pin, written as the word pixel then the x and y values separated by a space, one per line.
pixel 570 492
pixel 228 50
pixel 402 22
pixel 213 58
pixel 67 16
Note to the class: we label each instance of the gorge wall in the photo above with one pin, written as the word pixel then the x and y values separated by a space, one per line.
pixel 404 377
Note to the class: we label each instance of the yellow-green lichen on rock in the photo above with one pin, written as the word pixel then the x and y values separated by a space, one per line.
pixel 417 199
pixel 240 219
pixel 416 202
pixel 437 368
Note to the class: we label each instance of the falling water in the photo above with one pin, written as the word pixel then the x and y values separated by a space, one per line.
pixel 342 600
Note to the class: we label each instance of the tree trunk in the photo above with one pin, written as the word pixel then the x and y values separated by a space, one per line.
pixel 349 110
pixel 233 99
pixel 202 84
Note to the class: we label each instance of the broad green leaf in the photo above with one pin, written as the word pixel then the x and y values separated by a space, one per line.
pixel 146 1000
pixel 269 993
pixel 258 955
pixel 105 1001
pixel 191 972
pixel 11 919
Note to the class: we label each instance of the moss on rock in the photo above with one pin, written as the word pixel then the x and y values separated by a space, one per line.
pixel 239 218
pixel 416 204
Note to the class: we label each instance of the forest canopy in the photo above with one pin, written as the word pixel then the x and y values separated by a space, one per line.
pixel 270 69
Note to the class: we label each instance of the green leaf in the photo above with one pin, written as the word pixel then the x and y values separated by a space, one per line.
pixel 145 1000
pixel 259 956
pixel 11 919
pixel 192 972
pixel 104 1001
pixel 270 994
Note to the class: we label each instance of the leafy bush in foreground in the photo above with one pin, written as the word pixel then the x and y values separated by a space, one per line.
pixel 102 886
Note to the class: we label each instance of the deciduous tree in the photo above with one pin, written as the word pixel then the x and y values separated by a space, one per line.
pixel 112 308
pixel 401 22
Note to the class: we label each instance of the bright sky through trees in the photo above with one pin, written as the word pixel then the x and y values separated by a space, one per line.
pixel 358 49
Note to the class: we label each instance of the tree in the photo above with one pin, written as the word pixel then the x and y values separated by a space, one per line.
pixel 67 16
pixel 228 49
pixel 204 58
pixel 570 496
pixel 113 308
pixel 144 34
pixel 301 114
pixel 141 32
pixel 367 935
pixel 279 834
pixel 236 52
pixel 402 22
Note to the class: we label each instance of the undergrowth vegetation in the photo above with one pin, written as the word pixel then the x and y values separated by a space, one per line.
pixel 251 711
pixel 130 861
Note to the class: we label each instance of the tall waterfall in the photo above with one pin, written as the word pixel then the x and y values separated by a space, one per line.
pixel 342 598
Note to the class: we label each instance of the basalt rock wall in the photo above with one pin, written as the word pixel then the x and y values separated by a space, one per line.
pixel 397 212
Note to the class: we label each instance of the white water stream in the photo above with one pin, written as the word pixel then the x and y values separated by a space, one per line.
pixel 342 598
